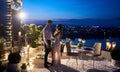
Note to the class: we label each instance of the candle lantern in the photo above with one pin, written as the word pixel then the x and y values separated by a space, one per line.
pixel 113 45
pixel 108 45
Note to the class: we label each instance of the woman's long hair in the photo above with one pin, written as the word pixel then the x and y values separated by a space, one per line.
pixel 59 27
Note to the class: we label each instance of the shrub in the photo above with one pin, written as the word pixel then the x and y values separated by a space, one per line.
pixel 115 54
pixel 33 44
pixel 14 58
pixel 24 66
pixel 79 45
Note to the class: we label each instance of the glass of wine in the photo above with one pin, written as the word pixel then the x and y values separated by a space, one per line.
pixel 83 42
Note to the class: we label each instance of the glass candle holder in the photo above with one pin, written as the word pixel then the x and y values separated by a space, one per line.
pixel 108 45
pixel 83 41
pixel 113 45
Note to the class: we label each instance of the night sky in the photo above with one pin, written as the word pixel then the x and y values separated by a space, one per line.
pixel 71 9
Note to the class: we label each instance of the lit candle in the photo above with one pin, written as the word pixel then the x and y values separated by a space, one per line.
pixel 83 41
pixel 19 33
pixel 113 45
pixel 28 46
pixel 61 42
pixel 6 55
pixel 19 36
pixel 108 45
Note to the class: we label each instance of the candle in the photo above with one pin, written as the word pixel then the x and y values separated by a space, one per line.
pixel 28 46
pixel 83 41
pixel 113 45
pixel 108 45
pixel 19 33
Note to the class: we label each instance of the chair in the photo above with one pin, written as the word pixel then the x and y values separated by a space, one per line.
pixel 68 47
pixel 69 53
pixel 97 51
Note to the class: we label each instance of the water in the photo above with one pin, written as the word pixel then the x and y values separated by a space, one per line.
pixel 91 42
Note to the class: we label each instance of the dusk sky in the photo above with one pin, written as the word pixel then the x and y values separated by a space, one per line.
pixel 71 9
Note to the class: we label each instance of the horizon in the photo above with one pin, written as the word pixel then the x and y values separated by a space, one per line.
pixel 83 22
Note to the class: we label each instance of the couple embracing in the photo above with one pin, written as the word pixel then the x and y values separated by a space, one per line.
pixel 47 35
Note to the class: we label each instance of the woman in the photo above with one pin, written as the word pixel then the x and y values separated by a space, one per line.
pixel 56 50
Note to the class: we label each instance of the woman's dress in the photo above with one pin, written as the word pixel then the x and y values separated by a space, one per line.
pixel 57 55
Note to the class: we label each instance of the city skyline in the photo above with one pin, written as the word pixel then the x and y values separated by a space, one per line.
pixel 72 9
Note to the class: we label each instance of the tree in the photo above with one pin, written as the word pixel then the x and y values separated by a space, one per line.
pixel 32 32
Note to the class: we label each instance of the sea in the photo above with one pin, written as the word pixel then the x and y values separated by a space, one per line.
pixel 91 42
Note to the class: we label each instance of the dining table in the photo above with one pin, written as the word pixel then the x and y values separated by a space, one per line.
pixel 82 51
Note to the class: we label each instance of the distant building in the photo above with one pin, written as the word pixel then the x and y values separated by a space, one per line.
pixel 9 10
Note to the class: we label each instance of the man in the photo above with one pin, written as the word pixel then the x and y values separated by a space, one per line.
pixel 47 33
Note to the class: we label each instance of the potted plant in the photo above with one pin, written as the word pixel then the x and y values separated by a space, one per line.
pixel 23 66
pixel 115 54
pixel 33 48
pixel 79 45
pixel 14 59
pixel 33 44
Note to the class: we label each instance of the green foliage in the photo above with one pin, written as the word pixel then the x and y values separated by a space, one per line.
pixel 115 54
pixel 33 44
pixel 32 31
pixel 14 58
pixel 24 66
pixel 79 45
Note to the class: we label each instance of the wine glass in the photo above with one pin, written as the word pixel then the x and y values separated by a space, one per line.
pixel 80 40
pixel 83 42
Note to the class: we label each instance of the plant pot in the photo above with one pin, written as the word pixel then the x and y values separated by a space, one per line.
pixel 33 50
pixel 13 67
pixel 24 70
pixel 115 54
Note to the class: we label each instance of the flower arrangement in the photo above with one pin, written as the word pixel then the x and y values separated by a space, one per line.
pixel 79 45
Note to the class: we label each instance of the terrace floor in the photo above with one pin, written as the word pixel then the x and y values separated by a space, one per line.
pixel 72 64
